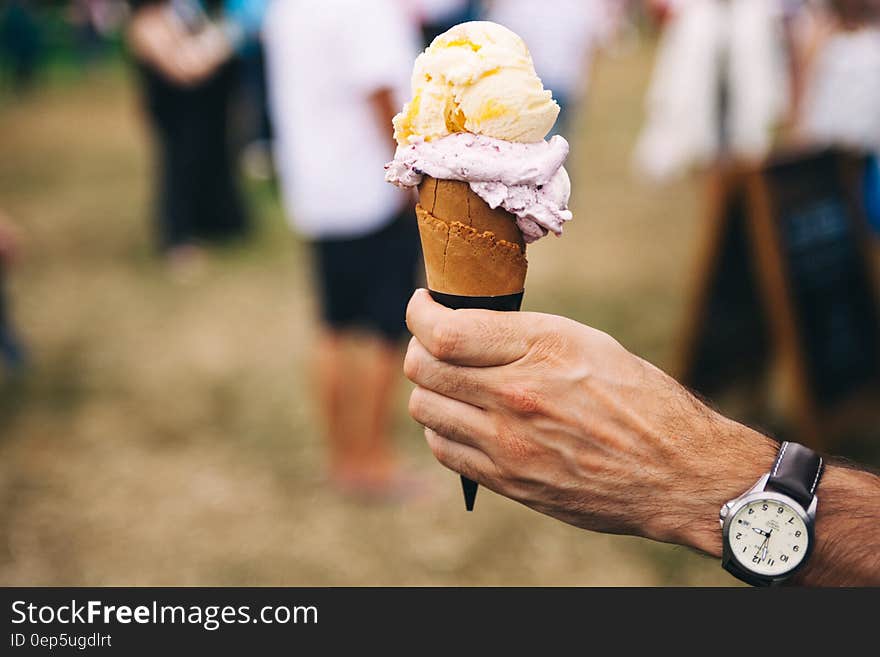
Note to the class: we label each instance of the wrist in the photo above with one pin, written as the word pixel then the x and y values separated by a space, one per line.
pixel 847 502
pixel 725 459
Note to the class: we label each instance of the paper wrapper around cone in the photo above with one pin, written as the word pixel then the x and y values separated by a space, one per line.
pixel 469 248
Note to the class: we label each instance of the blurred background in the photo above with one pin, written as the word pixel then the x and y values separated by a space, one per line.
pixel 159 424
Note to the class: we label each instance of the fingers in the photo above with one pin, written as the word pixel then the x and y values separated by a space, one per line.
pixel 473 385
pixel 463 459
pixel 453 419
pixel 476 338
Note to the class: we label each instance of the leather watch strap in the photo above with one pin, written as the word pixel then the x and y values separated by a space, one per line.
pixel 796 473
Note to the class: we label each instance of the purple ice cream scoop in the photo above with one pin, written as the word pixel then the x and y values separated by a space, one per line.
pixel 526 180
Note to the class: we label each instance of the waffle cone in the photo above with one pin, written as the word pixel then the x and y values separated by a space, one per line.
pixel 469 248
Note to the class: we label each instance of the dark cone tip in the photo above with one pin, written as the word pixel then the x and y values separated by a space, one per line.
pixel 469 488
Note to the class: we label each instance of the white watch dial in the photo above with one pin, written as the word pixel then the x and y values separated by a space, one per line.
pixel 768 537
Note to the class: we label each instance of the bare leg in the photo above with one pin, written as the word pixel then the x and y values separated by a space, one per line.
pixel 356 380
pixel 379 378
pixel 330 380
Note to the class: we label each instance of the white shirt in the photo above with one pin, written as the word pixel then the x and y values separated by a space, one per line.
pixel 324 60
pixel 560 35
pixel 842 104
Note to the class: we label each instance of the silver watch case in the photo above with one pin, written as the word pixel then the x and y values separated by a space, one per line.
pixel 757 492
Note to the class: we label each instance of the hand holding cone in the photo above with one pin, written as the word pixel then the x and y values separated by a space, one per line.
pixel 474 256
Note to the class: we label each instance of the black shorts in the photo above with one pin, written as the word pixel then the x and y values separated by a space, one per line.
pixel 367 281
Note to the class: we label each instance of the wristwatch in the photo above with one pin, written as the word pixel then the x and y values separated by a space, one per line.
pixel 767 532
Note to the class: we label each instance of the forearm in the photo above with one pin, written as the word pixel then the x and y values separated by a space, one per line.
pixel 382 102
pixel 847 533
pixel 161 43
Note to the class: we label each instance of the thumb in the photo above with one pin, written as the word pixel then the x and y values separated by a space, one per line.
pixel 473 338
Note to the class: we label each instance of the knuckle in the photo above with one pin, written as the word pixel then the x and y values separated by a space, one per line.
pixel 438 448
pixel 504 473
pixel 511 451
pixel 604 343
pixel 411 364
pixel 410 314
pixel 417 404
pixel 610 344
pixel 522 398
pixel 445 339
pixel 430 436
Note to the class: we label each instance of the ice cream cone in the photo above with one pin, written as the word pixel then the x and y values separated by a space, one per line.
pixel 475 257
pixel 470 249
pixel 465 127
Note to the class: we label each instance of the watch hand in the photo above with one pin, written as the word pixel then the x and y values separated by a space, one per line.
pixel 762 548
pixel 759 531
pixel 766 545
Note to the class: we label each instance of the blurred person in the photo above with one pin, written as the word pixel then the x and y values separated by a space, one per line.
pixel 719 87
pixel 256 156
pixel 21 41
pixel 189 74
pixel 337 72
pixel 837 54
pixel 94 22
pixel 12 351
pixel 563 36
pixel 560 417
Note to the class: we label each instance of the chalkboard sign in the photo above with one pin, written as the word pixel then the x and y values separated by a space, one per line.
pixel 793 278
pixel 727 336
pixel 828 276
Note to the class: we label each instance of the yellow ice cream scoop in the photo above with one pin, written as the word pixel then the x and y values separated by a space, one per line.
pixel 476 77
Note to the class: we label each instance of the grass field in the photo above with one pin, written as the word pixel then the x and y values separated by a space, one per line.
pixel 166 434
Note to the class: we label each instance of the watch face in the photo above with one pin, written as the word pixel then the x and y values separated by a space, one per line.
pixel 768 537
